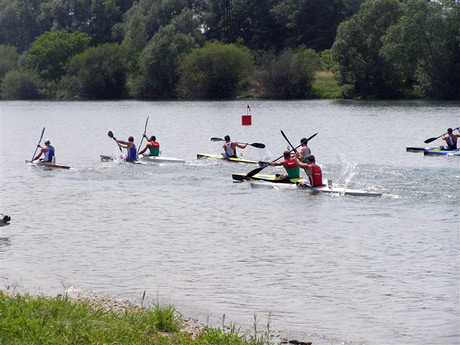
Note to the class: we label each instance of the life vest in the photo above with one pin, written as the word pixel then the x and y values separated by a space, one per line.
pixel 132 154
pixel 292 168
pixel 155 148
pixel 452 142
pixel 316 178
pixel 229 152
pixel 49 155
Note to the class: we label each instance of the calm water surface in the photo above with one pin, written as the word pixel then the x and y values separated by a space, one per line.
pixel 330 269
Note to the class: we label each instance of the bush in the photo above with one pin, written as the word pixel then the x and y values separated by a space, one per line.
pixel 20 84
pixel 215 71
pixel 97 73
pixel 287 76
pixel 8 59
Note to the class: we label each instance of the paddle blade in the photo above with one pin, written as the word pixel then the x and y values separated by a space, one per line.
pixel 427 141
pixel 255 171
pixel 314 135
pixel 258 145
pixel 110 134
pixel 217 139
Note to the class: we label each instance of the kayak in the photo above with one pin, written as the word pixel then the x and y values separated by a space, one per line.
pixel 441 153
pixel 146 159
pixel 418 149
pixel 120 160
pixel 304 184
pixel 160 159
pixel 221 157
pixel 47 165
pixel 5 220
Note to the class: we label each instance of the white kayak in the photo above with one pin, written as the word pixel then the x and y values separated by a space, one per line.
pixel 338 190
pixel 47 165
pixel 144 159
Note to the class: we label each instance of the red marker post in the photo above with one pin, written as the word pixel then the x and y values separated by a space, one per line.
pixel 246 119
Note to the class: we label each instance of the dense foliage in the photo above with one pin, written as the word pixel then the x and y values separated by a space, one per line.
pixel 375 48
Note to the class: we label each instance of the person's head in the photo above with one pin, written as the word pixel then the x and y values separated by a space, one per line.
pixel 153 138
pixel 227 138
pixel 287 154
pixel 449 130
pixel 47 142
pixel 303 141
pixel 311 159
pixel 131 139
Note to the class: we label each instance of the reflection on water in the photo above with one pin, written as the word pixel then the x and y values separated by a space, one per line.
pixel 332 269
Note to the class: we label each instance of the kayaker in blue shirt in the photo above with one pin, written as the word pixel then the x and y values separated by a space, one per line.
pixel 131 155
pixel 451 140
pixel 230 147
pixel 47 150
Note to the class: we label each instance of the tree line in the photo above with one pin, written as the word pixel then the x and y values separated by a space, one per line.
pixel 216 49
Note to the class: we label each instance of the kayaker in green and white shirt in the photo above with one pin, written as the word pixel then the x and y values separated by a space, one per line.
pixel 153 146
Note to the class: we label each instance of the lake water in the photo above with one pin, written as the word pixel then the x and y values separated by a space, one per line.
pixel 330 269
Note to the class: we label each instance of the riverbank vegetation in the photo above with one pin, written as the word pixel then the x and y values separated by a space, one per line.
pixel 223 49
pixel 26 319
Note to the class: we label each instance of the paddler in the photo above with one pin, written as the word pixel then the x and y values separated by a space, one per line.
pixel 230 147
pixel 314 171
pixel 304 151
pixel 152 145
pixel 131 155
pixel 451 140
pixel 292 165
pixel 47 150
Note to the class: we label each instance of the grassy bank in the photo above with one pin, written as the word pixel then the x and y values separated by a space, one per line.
pixel 326 86
pixel 26 319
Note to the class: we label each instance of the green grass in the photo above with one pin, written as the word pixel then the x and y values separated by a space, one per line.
pixel 326 86
pixel 37 320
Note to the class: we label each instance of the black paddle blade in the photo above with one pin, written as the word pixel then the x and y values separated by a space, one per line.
pixel 427 141
pixel 258 145
pixel 110 134
pixel 255 172
pixel 314 135
pixel 217 139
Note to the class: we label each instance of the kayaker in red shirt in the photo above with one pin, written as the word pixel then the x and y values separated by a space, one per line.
pixel 314 172
pixel 451 140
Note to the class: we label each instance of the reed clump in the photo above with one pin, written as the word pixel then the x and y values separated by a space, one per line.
pixel 60 320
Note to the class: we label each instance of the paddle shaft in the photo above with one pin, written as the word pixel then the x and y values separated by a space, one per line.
pixel 145 131
pixel 427 141
pixel 257 145
pixel 39 141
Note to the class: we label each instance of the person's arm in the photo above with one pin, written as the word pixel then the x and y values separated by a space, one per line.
pixel 42 151
pixel 145 149
pixel 241 146
pixel 276 164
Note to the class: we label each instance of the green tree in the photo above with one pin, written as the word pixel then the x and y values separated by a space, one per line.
pixel 159 63
pixel 287 76
pixel 18 22
pixel 357 51
pixel 215 71
pixel 425 47
pixel 21 85
pixel 97 73
pixel 8 59
pixel 51 51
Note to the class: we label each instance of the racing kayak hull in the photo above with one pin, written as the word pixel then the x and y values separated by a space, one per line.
pixel 160 159
pixel 441 153
pixel 221 157
pixel 47 165
pixel 304 184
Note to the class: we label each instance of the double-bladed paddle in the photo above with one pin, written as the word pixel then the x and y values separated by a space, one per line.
pixel 145 131
pixel 266 164
pixel 258 145
pixel 110 134
pixel 38 145
pixel 427 141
